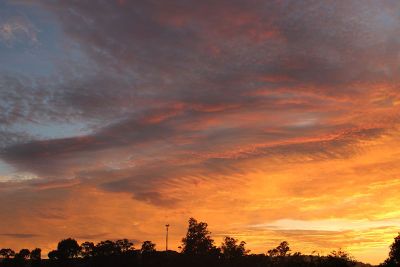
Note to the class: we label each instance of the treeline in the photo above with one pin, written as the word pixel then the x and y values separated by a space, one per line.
pixel 198 249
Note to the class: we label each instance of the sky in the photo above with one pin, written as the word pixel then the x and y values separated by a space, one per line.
pixel 269 120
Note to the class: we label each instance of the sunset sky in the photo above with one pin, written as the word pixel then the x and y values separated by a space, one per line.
pixel 269 120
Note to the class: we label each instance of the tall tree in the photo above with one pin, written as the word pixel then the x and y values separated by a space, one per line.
pixel 198 240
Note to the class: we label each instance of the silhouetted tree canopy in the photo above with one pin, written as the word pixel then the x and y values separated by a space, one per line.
pixel 36 254
pixel 124 246
pixel 36 257
pixel 87 249
pixel 148 247
pixel 106 248
pixel 231 249
pixel 7 253
pixel 339 258
pixel 53 255
pixel 68 249
pixel 280 250
pixel 394 254
pixel 21 257
pixel 198 240
pixel 23 254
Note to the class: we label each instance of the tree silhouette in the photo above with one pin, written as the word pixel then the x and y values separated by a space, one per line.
pixel 280 250
pixel 7 253
pixel 394 253
pixel 36 257
pixel 124 246
pixel 21 257
pixel 339 258
pixel 23 253
pixel 148 247
pixel 106 248
pixel 198 240
pixel 340 254
pixel 36 254
pixel 53 255
pixel 87 249
pixel 68 249
pixel 231 249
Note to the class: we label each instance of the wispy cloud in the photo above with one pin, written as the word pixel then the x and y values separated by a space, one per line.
pixel 17 30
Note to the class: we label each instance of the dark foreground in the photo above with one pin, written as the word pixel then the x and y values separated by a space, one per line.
pixel 174 259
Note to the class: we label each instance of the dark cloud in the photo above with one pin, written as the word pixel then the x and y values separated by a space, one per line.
pixel 170 45
pixel 171 53
pixel 18 235
pixel 93 236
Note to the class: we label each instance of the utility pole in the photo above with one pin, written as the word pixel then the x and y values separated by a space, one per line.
pixel 166 238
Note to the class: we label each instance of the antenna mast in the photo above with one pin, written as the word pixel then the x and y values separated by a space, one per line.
pixel 166 238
